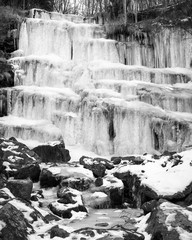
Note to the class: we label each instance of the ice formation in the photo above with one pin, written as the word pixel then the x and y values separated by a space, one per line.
pixel 72 82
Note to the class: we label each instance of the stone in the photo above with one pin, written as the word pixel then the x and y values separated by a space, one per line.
pixel 71 201
pixel 149 206
pixel 22 161
pixel 98 169
pixel 13 224
pixel 58 232
pixel 99 182
pixel 116 160
pixel 188 200
pixel 21 188
pixel 87 162
pixel 48 179
pixel 32 171
pixel 55 153
pixel 165 219
pixel 78 183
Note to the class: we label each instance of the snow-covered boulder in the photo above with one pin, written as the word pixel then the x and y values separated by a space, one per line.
pixel 69 203
pixel 168 177
pixel 19 161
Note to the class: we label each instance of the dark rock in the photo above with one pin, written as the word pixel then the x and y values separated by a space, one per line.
pixel 117 197
pixel 132 235
pixel 58 232
pixel 66 196
pixel 87 162
pixel 188 200
pixel 53 153
pixel 167 153
pixel 116 160
pixel 71 200
pixel 149 206
pixel 133 160
pixel 102 224
pixel 5 196
pixel 48 179
pixel 99 182
pixel 160 228
pixel 32 171
pixel 50 217
pixel 23 162
pixel 21 188
pixel 79 183
pixel 16 227
pixel 3 180
pixel 98 169
pixel 105 162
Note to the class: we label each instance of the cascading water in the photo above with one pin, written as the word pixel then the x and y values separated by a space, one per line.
pixel 71 83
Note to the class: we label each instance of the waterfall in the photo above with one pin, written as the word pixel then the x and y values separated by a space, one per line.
pixel 111 97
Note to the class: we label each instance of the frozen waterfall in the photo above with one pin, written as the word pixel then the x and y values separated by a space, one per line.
pixel 111 97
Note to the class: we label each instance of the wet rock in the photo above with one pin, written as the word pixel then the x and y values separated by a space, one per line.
pixel 19 160
pixel 58 232
pixel 98 169
pixel 13 224
pixel 49 179
pixel 55 153
pixel 21 188
pixel 165 220
pixel 78 183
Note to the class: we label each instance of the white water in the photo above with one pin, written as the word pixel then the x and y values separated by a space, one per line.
pixel 72 78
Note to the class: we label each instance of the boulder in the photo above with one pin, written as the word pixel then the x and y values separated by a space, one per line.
pixel 49 179
pixel 13 224
pixel 168 177
pixel 70 201
pixel 114 189
pixel 99 182
pixel 20 188
pixel 88 162
pixel 55 153
pixel 5 196
pixel 19 161
pixel 78 183
pixel 58 232
pixel 169 221
pixel 98 169
pixel 116 160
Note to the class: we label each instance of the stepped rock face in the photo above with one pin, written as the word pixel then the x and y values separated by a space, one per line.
pixel 72 83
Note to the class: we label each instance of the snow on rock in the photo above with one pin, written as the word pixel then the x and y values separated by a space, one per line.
pixel 157 178
pixel 173 222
